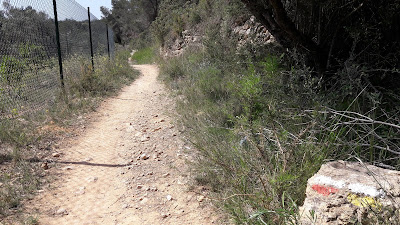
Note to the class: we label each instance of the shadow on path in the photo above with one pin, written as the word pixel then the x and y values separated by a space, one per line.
pixel 79 163
pixel 92 164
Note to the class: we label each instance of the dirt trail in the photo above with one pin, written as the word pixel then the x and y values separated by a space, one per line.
pixel 128 167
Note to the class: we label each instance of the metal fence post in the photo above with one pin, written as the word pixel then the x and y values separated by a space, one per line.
pixel 58 43
pixel 91 41
pixel 108 43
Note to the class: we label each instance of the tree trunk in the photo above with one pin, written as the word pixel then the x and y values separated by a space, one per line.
pixel 272 14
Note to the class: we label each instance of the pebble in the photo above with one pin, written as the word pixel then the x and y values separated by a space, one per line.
pixel 92 179
pixel 68 168
pixel 56 154
pixel 45 166
pixel 81 191
pixel 139 186
pixel 169 197
pixel 157 129
pixel 165 175
pixel 143 156
pixel 153 189
pixel 143 200
pixel 130 129
pixel 61 211
pixel 144 138
pixel 165 215
pixel 200 198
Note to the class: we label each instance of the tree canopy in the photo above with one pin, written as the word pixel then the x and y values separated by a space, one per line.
pixel 129 18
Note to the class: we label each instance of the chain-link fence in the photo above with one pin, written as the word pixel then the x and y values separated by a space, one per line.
pixel 30 75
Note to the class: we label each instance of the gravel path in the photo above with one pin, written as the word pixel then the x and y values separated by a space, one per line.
pixel 128 167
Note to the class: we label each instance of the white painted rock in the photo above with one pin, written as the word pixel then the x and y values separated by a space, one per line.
pixel 352 193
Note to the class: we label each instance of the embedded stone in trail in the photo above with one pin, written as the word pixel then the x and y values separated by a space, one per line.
pixel 349 192
pixel 61 211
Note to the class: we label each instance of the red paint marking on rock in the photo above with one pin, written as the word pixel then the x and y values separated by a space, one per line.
pixel 323 190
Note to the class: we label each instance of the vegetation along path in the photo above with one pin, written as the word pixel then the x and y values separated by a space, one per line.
pixel 127 168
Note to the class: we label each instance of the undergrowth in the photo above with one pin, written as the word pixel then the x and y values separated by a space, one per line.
pixel 144 56
pixel 264 124
pixel 24 141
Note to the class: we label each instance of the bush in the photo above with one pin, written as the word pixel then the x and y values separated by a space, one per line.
pixel 263 122
pixel 263 129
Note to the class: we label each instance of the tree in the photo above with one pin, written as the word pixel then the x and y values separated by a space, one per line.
pixel 150 8
pixel 330 32
pixel 129 18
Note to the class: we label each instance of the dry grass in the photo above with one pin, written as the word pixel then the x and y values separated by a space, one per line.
pixel 27 140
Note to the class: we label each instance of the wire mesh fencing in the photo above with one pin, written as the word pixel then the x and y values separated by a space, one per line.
pixel 30 76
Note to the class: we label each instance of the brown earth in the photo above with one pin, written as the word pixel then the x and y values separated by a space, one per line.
pixel 128 167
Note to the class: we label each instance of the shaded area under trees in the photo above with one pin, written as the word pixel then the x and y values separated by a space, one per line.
pixel 129 18
pixel 331 33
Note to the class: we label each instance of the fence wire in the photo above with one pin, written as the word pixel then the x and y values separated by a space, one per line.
pixel 29 66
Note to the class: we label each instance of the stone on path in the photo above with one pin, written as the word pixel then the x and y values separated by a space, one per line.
pixel 348 192
pixel 61 211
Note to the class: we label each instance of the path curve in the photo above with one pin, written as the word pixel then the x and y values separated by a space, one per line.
pixel 128 167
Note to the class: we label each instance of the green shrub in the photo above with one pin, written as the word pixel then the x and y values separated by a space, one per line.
pixel 263 122
pixel 194 18
pixel 262 130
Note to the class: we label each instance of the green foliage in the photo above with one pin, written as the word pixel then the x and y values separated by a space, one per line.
pixel 106 79
pixel 144 56
pixel 11 69
pixel 262 129
pixel 178 25
pixel 244 152
pixel 194 18
pixel 14 68
pixel 159 32
pixel 129 18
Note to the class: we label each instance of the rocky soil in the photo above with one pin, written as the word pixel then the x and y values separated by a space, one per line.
pixel 247 32
pixel 128 167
